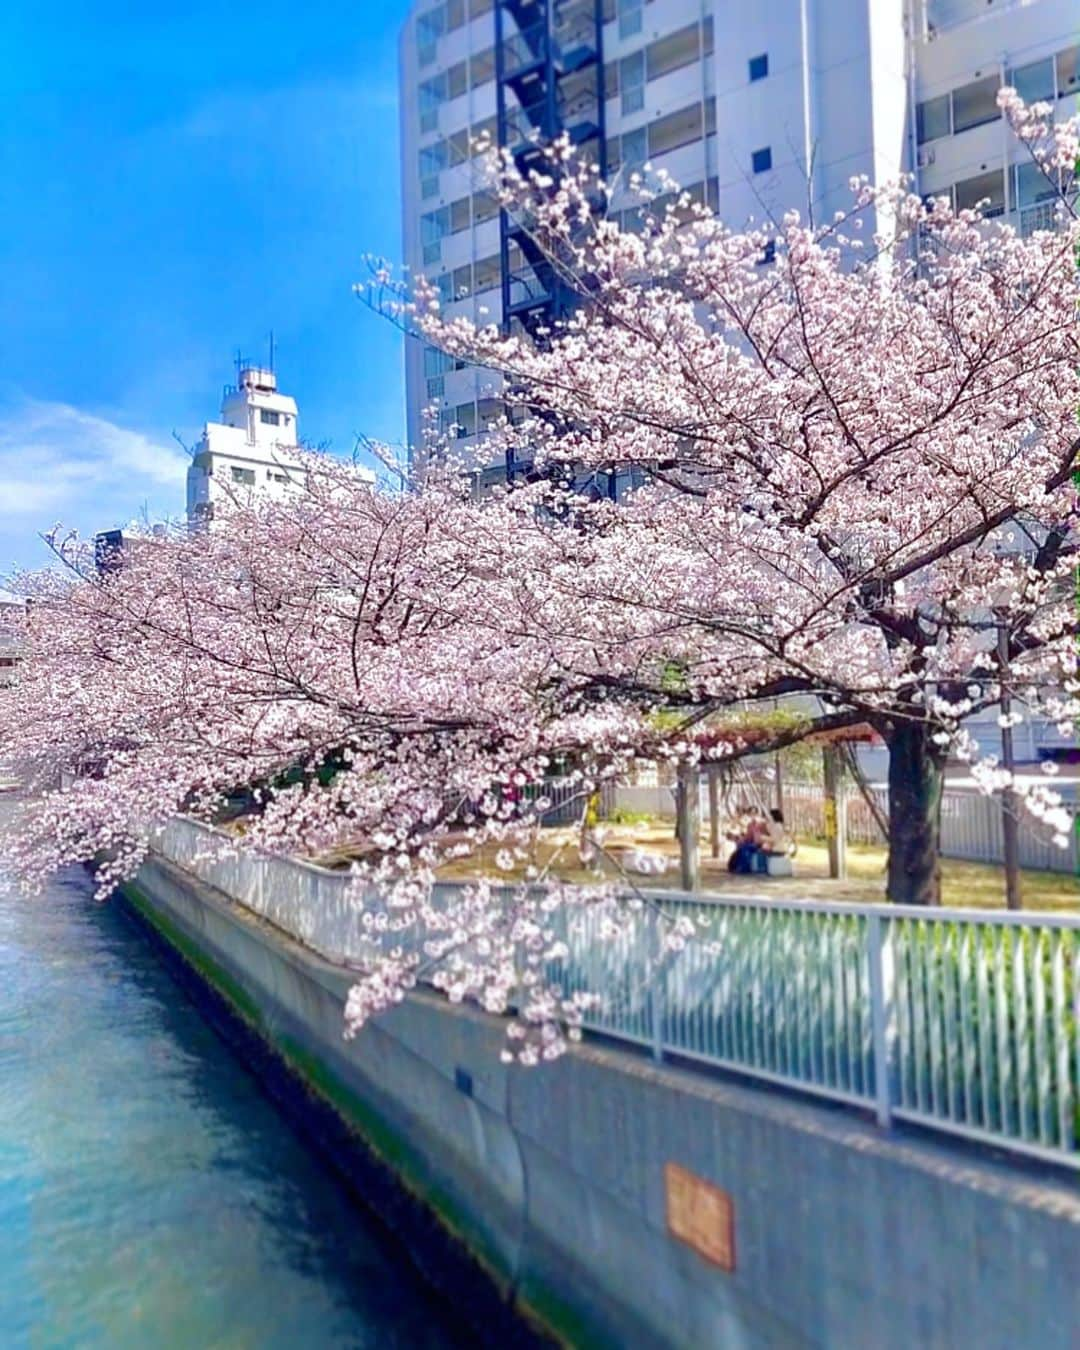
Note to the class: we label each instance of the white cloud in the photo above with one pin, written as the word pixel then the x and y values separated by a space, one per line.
pixel 59 463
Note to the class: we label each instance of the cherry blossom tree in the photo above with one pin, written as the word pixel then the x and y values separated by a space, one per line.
pixel 855 460
pixel 857 455
pixel 356 664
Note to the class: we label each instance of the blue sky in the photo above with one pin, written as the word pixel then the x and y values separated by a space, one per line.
pixel 176 180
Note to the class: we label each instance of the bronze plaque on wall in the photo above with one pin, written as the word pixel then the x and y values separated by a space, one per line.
pixel 701 1215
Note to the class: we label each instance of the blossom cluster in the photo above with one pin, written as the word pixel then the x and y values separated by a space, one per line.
pixel 852 450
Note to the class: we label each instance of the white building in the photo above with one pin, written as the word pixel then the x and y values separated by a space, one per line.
pixel 756 107
pixel 962 52
pixel 12 618
pixel 251 450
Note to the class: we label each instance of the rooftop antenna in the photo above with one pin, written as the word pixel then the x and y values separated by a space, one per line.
pixel 239 365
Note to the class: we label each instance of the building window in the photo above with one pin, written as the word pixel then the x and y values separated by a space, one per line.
pixel 934 119
pixel 1032 185
pixel 246 476
pixel 678 49
pixel 429 26
pixel 634 150
pixel 611 79
pixel 1033 82
pixel 632 82
pixel 433 160
pixel 759 67
pixel 460 215
pixel 975 104
pixel 761 160
pixel 677 128
pixel 434 225
pixel 488 412
pixel 457 80
pixel 465 420
pixel 485 207
pixel 985 190
pixel 271 418
pixel 1068 71
pixel 432 92
pixel 630 18
pixel 482 67
pixel 436 362
pixel 463 282
pixel 486 127
pixel 487 273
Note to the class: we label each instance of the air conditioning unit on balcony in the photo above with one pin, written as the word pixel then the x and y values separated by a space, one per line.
pixel 925 156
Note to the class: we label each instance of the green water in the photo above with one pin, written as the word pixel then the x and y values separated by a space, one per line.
pixel 150 1196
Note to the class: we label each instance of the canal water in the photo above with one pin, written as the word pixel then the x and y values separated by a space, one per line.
pixel 150 1196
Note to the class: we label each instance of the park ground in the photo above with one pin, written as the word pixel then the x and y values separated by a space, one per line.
pixel 964 884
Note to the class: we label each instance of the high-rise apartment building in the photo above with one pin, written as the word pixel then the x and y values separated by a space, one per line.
pixel 755 108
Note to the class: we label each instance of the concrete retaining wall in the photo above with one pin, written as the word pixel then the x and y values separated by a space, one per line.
pixel 552 1181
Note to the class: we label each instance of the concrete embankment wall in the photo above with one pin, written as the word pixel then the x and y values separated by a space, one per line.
pixel 553 1191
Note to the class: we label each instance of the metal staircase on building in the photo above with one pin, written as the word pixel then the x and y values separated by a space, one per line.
pixel 549 71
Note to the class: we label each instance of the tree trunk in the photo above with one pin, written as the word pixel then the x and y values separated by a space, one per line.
pixel 689 827
pixel 916 779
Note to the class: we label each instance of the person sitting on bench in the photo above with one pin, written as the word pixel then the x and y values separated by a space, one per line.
pixel 777 839
pixel 749 838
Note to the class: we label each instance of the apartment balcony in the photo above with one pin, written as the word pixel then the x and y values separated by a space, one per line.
pixel 943 15
pixel 1041 216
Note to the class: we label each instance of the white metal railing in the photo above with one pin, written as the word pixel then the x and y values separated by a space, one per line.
pixel 1040 216
pixel 942 16
pixel 959 1020
pixel 307 902
pixel 956 1019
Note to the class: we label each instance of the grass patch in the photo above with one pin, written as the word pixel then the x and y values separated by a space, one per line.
pixel 964 884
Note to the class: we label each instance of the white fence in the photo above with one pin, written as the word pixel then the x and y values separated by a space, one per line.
pixel 970 823
pixel 959 1020
pixel 309 903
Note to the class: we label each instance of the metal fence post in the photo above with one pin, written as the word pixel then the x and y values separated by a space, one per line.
pixel 656 993
pixel 881 964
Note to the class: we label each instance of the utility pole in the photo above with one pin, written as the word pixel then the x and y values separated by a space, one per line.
pixel 1010 830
